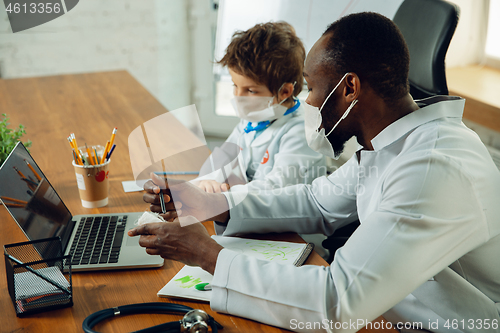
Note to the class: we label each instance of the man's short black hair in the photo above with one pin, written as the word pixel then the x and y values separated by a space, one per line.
pixel 370 45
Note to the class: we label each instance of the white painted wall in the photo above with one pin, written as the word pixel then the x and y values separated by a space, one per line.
pixel 150 39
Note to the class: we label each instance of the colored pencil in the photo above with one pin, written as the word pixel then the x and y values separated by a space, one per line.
pixel 89 155
pixel 33 170
pixel 96 157
pixel 13 200
pixel 105 154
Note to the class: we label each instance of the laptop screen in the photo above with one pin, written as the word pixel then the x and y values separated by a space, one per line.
pixel 30 199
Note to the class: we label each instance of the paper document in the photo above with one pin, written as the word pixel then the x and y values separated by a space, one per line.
pixel 183 284
pixel 28 284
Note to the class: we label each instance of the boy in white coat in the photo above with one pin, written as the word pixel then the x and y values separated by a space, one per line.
pixel 266 64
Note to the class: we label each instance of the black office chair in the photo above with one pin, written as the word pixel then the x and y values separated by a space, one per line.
pixel 427 26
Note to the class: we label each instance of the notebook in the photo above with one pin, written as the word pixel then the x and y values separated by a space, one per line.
pixel 94 241
pixel 187 282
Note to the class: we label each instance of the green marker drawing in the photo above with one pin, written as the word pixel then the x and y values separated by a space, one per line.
pixel 271 251
pixel 188 281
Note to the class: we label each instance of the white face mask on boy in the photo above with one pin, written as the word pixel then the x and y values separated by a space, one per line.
pixel 316 139
pixel 258 108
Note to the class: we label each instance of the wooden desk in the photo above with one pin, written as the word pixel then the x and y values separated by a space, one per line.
pixel 478 85
pixel 91 105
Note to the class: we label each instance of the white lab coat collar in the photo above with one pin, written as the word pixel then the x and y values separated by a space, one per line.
pixel 267 135
pixel 431 108
pixel 247 137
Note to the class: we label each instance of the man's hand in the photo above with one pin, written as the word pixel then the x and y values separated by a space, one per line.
pixel 212 186
pixel 189 200
pixel 191 245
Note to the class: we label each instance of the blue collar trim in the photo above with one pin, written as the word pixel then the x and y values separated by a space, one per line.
pixel 262 125
pixel 293 108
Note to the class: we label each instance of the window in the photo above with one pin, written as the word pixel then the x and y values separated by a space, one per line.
pixel 213 90
pixel 492 49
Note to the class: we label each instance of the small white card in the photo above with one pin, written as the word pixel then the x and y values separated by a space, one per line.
pixel 134 186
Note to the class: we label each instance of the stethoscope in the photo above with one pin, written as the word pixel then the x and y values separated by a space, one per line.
pixel 194 321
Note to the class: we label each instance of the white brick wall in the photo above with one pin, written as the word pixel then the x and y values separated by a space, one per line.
pixel 149 38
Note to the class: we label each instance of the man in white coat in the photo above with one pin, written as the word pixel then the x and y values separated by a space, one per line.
pixel 422 185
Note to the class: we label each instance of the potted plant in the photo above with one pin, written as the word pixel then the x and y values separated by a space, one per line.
pixel 9 138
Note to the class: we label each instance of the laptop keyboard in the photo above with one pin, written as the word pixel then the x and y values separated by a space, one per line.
pixel 98 240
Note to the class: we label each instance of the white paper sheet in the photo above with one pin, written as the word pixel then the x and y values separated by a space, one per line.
pixel 183 284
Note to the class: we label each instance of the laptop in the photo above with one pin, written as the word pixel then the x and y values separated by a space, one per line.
pixel 94 241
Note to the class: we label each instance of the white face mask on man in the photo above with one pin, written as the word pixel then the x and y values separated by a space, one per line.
pixel 316 139
pixel 258 108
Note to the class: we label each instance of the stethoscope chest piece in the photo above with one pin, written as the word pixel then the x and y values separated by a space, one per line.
pixel 195 321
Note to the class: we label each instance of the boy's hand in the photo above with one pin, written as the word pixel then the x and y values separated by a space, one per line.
pixel 212 186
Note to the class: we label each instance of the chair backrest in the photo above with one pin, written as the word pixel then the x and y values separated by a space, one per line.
pixel 427 26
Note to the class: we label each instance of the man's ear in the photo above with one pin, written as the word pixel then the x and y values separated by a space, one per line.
pixel 352 87
pixel 286 91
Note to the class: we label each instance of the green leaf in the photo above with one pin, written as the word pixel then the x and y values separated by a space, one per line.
pixel 10 137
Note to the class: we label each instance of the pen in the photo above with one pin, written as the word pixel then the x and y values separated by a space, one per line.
pixel 162 203
pixel 33 170
pixel 55 284
pixel 170 173
pixel 110 152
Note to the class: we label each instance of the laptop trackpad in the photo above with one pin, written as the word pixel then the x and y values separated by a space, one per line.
pixel 132 241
